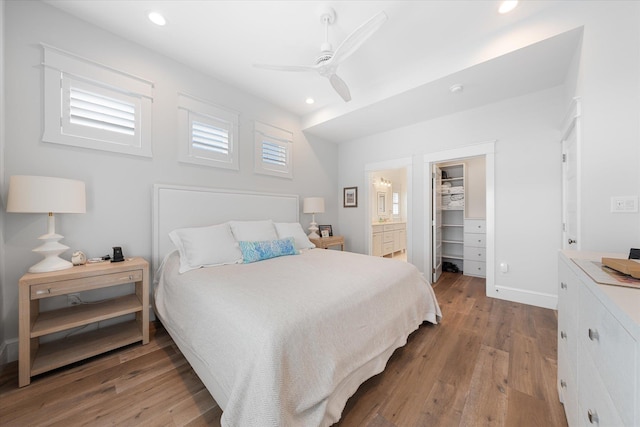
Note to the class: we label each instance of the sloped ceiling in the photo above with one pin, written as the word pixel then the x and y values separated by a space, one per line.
pixel 401 75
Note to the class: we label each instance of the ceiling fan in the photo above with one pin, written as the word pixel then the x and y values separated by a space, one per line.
pixel 328 60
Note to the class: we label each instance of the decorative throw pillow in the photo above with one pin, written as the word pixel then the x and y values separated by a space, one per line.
pixel 294 229
pixel 261 250
pixel 253 231
pixel 205 246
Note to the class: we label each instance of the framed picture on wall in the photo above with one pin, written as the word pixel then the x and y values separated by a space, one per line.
pixel 325 229
pixel 350 197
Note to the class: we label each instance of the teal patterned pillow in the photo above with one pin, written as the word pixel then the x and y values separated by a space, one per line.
pixel 258 251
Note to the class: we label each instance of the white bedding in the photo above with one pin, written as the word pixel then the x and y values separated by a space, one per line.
pixel 286 341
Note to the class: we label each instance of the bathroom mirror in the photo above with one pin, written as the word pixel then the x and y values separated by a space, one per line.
pixel 382 203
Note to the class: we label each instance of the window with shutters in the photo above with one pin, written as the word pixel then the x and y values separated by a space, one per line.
pixel 273 151
pixel 208 133
pixel 395 197
pixel 90 105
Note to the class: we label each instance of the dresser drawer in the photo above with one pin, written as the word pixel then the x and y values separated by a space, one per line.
pixel 474 226
pixel 46 290
pixel 596 405
pixel 567 295
pixel 567 386
pixel 612 349
pixel 387 237
pixel 474 268
pixel 377 228
pixel 475 240
pixel 474 254
pixel 387 248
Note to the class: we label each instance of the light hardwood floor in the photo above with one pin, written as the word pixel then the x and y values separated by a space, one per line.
pixel 488 363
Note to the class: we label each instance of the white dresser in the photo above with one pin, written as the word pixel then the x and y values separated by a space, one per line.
pixel 598 347
pixel 474 247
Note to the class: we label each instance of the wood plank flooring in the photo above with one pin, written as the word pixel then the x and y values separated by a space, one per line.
pixel 488 363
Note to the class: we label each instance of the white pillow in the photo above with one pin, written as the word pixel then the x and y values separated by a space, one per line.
pixel 294 229
pixel 206 246
pixel 253 231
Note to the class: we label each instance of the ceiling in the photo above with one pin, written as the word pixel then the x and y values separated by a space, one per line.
pixel 401 75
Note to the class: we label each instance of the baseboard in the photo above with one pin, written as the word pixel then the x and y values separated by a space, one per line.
pixel 9 351
pixel 539 299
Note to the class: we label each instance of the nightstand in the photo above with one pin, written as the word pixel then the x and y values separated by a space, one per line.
pixel 35 357
pixel 325 242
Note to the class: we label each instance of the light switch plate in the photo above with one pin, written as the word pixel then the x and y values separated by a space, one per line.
pixel 624 204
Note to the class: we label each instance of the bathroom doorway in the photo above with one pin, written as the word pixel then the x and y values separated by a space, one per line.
pixel 387 198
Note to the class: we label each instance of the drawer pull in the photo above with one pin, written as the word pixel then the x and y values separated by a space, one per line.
pixel 563 285
pixel 593 334
pixel 43 291
pixel 563 335
pixel 592 416
pixel 563 384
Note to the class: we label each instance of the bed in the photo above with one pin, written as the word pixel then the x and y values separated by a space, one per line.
pixel 285 340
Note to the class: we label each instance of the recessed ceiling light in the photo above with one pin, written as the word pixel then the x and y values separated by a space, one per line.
pixel 507 6
pixel 157 18
pixel 309 101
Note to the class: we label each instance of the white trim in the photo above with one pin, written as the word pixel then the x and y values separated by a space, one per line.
pixel 486 149
pixel 538 299
pixel 369 169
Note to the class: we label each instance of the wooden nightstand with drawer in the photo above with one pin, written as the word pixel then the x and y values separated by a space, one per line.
pixel 35 357
pixel 325 242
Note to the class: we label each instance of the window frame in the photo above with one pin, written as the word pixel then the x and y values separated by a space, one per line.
pixel 64 70
pixel 192 109
pixel 281 138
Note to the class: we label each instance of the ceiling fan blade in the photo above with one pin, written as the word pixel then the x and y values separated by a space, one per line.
pixel 340 86
pixel 286 67
pixel 358 37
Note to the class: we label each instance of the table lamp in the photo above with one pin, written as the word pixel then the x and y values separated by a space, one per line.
pixel 313 205
pixel 43 194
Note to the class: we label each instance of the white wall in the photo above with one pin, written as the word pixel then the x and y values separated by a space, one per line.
pixel 119 187
pixel 527 158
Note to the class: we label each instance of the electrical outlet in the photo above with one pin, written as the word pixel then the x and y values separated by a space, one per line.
pixel 73 299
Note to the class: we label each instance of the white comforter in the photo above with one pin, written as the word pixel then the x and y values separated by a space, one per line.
pixel 288 340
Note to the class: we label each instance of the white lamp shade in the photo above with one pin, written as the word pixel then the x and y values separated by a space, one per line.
pixel 313 205
pixel 43 194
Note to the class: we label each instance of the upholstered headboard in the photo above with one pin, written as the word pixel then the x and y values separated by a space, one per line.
pixel 179 206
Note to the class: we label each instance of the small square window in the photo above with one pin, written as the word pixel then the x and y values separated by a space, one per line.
pixel 208 133
pixel 273 151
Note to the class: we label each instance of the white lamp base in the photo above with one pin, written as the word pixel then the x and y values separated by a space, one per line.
pixel 313 228
pixel 50 249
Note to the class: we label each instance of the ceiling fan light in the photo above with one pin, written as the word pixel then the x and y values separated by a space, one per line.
pixel 157 18
pixel 507 6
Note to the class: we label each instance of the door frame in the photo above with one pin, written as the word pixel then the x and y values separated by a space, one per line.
pixel 369 169
pixel 571 123
pixel 486 149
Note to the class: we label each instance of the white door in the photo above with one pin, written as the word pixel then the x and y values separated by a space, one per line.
pixel 436 224
pixel 570 181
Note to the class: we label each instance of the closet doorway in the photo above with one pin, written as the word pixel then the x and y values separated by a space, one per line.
pixel 465 221
pixel 459 212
